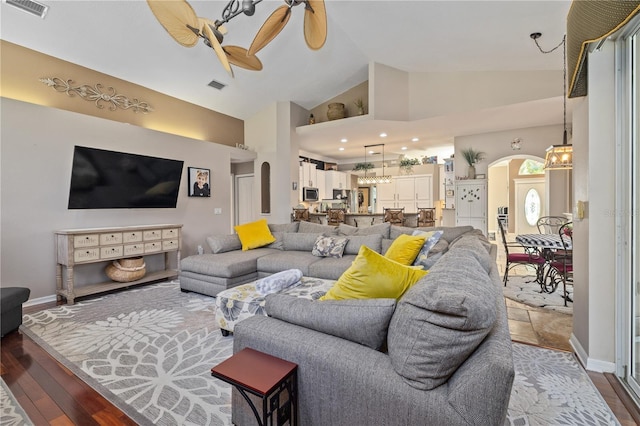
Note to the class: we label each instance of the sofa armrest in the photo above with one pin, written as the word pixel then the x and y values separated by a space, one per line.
pixel 344 383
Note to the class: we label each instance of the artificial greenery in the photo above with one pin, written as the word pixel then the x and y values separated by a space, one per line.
pixel 363 166
pixel 472 156
pixel 408 162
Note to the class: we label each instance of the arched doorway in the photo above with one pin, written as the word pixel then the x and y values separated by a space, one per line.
pixel 502 196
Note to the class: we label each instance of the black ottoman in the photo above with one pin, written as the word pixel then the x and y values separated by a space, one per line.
pixel 11 300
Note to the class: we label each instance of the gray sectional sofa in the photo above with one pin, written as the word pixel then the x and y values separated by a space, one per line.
pixel 228 266
pixel 441 355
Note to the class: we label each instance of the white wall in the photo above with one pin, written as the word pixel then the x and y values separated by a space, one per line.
pixel 437 94
pixel 36 156
pixel 497 195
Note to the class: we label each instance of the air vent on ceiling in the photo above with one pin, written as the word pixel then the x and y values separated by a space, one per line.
pixel 217 85
pixel 30 6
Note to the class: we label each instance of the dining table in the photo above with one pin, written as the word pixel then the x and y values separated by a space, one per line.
pixel 547 245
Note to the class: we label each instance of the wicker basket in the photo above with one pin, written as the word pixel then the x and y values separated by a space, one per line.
pixel 126 270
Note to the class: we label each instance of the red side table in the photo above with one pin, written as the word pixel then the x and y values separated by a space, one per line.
pixel 266 376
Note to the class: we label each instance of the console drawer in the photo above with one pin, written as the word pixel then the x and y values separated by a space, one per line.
pixel 152 247
pixel 86 255
pixel 132 237
pixel 170 245
pixel 169 233
pixel 151 235
pixel 111 238
pixel 110 252
pixel 88 240
pixel 133 249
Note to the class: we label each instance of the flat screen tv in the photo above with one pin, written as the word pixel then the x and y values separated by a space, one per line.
pixel 102 179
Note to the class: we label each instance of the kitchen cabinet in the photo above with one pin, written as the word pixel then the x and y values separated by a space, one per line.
pixel 408 192
pixel 309 175
pixel 336 180
pixel 471 203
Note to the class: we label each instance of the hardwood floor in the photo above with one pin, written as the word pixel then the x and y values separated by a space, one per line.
pixel 51 394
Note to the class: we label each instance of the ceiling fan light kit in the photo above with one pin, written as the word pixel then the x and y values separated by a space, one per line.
pixel 181 22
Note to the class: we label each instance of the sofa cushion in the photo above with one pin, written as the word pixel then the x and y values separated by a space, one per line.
pixel 405 248
pixel 254 234
pixel 331 268
pixel 316 228
pixel 441 320
pixel 361 321
pixel 295 241
pixel 280 260
pixel 226 265
pixel 279 242
pixel 371 276
pixel 224 243
pixel 329 246
pixel 468 245
pixel 373 241
pixel 382 229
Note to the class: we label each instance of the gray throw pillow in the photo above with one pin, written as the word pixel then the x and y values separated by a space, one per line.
pixel 441 320
pixel 224 243
pixel 329 246
pixel 374 242
pixel 363 321
pixel 284 227
pixel 381 228
pixel 316 228
pixel 295 241
pixel 279 242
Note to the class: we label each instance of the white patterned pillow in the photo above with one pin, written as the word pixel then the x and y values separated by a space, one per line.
pixel 329 246
pixel 432 238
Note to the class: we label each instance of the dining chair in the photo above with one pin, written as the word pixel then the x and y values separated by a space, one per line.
pixel 550 224
pixel 523 256
pixel 561 265
pixel 335 216
pixel 301 215
pixel 426 216
pixel 394 216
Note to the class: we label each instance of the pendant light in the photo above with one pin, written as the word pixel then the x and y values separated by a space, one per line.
pixel 559 157
pixel 373 180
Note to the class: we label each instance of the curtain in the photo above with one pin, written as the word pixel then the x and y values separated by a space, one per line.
pixel 589 21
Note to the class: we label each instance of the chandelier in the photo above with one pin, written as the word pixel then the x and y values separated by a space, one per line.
pixel 372 180
pixel 559 157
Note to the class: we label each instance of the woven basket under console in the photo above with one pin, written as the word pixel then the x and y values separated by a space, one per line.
pixel 125 270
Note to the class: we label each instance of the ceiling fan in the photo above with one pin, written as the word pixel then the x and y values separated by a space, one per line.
pixel 182 23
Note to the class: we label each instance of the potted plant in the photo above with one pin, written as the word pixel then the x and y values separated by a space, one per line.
pixel 406 164
pixel 360 105
pixel 472 156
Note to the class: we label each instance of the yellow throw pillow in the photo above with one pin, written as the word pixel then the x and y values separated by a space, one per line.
pixel 373 276
pixel 405 248
pixel 254 234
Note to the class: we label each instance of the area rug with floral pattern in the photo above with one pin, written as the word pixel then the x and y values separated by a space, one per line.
pixel 149 350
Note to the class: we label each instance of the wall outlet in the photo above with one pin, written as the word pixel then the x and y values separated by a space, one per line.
pixel 217 210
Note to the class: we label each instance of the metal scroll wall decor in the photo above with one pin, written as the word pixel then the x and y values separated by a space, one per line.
pixel 96 94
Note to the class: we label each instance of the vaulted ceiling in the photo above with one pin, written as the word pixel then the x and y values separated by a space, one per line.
pixel 124 39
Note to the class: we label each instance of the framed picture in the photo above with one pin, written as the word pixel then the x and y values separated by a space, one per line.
pixel 199 183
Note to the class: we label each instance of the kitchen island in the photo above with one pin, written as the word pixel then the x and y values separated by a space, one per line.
pixel 364 219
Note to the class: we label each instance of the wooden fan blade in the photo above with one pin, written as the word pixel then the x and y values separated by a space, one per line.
pixel 315 24
pixel 215 44
pixel 176 16
pixel 270 29
pixel 239 56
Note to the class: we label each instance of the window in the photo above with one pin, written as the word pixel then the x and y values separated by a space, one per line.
pixel 531 167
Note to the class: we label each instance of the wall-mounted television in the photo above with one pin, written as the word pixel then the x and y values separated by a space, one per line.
pixel 102 179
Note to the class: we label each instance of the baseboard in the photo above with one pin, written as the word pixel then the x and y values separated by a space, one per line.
pixel 588 363
pixel 39 300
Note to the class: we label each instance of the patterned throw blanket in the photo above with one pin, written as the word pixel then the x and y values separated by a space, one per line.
pixel 278 281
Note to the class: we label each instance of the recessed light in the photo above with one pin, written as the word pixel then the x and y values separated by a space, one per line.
pixel 341 149
pixel 404 148
pixel 343 140
pixel 383 135
pixel 415 140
